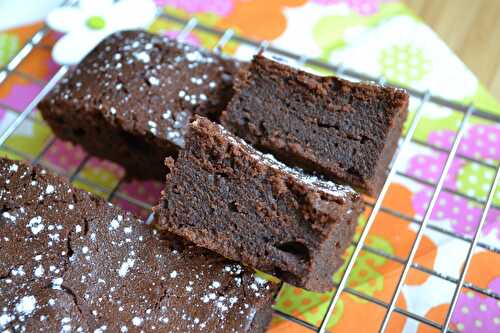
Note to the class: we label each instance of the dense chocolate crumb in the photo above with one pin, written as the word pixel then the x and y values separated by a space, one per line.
pixel 343 130
pixel 131 98
pixel 224 195
pixel 69 262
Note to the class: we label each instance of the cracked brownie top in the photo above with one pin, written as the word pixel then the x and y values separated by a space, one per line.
pixel 146 85
pixel 72 262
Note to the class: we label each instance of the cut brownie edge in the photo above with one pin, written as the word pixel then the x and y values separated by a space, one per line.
pixel 131 98
pixel 224 195
pixel 330 126
pixel 99 136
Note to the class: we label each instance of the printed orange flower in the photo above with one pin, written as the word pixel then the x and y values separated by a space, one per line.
pixel 11 81
pixel 437 314
pixel 397 231
pixel 36 65
pixel 259 19
pixel 471 304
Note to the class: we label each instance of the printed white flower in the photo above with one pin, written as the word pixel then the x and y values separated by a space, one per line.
pixel 91 21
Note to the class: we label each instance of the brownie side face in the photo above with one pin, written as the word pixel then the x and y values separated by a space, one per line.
pixel 224 195
pixel 131 98
pixel 343 130
pixel 70 262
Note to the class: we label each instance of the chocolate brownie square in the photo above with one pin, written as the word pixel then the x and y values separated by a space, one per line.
pixel 224 195
pixel 70 262
pixel 343 130
pixel 131 98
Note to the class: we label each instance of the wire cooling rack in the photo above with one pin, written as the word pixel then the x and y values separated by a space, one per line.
pixel 425 97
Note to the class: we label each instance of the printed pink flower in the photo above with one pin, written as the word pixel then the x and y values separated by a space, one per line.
pixel 463 215
pixel 144 191
pixel 362 7
pixel 430 167
pixel 476 313
pixel 64 155
pixel 480 141
pixel 472 179
pixel 21 95
pixel 218 7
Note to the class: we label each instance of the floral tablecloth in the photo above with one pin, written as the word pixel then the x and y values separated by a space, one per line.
pixel 377 37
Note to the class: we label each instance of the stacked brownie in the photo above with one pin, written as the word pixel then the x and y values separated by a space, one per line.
pixel 69 262
pixel 226 196
pixel 345 131
pixel 272 188
pixel 132 97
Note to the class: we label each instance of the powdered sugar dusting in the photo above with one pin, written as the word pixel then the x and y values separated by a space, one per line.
pixel 329 187
pixel 134 77
pixel 26 305
pixel 125 267
pixel 36 225
pixel 95 257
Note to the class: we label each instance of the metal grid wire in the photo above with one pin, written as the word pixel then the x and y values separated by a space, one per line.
pixel 376 207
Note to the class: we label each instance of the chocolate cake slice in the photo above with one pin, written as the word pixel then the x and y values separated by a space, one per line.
pixel 224 195
pixel 343 130
pixel 69 262
pixel 131 98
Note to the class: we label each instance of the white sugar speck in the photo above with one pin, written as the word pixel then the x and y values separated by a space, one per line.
pixel 5 319
pixel 154 81
pixel 71 206
pixel 18 271
pixel 112 110
pixel 114 224
pixel 9 216
pixel 57 282
pixel 13 168
pixel 85 250
pixel 125 266
pixel 26 305
pixel 167 114
pixel 260 280
pixel 173 275
pixel 39 271
pixel 50 189
pixel 36 225
pixel 142 56
pixel 137 321
pixel 193 56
